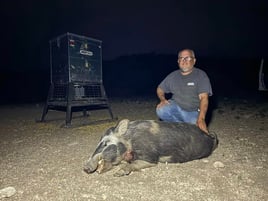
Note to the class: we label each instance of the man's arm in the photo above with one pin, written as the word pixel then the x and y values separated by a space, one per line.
pixel 201 123
pixel 161 95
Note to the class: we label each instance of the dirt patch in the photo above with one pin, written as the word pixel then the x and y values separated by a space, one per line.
pixel 44 161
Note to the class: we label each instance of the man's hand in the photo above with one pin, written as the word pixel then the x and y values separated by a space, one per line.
pixel 162 103
pixel 202 125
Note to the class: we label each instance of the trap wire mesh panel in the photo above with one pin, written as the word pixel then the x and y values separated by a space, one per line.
pixel 59 92
pixel 87 91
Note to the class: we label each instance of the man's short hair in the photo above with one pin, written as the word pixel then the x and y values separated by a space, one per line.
pixel 188 50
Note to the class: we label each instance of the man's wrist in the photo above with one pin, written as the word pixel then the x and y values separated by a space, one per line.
pixel 162 98
pixel 201 118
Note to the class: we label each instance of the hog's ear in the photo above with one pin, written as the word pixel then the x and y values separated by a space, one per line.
pixel 122 127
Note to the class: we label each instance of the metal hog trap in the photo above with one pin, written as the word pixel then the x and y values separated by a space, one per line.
pixel 76 76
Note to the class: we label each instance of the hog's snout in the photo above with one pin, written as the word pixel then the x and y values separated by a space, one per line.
pixel 90 167
pixel 88 171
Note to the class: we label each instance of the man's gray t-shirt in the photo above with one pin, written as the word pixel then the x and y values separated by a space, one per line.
pixel 186 88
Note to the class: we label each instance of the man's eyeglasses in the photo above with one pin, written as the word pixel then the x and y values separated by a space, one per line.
pixel 185 58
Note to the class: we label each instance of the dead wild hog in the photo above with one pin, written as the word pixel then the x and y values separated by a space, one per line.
pixel 135 145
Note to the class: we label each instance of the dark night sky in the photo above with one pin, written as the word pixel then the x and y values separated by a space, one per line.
pixel 218 31
pixel 223 29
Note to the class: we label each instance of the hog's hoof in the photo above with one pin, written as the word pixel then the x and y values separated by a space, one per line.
pixel 121 173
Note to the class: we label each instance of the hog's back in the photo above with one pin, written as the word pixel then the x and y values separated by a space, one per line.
pixel 178 142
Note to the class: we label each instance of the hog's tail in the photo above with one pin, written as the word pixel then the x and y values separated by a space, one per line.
pixel 214 136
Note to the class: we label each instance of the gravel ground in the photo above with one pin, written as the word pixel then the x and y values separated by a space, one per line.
pixel 44 161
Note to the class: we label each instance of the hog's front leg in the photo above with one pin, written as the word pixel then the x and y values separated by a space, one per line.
pixel 127 168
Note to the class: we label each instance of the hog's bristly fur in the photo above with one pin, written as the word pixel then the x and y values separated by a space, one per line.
pixel 134 145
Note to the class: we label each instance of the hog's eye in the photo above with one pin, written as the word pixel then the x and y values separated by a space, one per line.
pixel 105 143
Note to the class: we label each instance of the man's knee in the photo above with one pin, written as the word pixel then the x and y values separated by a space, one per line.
pixel 166 113
pixel 160 112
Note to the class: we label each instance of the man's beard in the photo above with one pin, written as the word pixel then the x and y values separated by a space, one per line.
pixel 186 69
